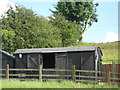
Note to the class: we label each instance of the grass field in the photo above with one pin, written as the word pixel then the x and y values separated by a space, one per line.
pixel 50 84
pixel 110 50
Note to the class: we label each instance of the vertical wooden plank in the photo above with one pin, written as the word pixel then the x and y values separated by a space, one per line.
pixel 73 73
pixel 96 69
pixel 113 69
pixel 40 72
pixel 67 65
pixel 7 71
pixel 39 58
pixel 108 75
pixel 27 65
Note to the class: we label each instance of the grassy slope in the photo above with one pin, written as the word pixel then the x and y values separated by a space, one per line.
pixel 110 50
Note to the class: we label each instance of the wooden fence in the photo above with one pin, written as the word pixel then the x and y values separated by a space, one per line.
pixel 115 68
pixel 73 74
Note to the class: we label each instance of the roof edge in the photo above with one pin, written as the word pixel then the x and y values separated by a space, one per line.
pixel 60 49
pixel 8 54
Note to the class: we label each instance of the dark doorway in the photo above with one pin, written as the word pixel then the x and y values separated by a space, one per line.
pixel 49 60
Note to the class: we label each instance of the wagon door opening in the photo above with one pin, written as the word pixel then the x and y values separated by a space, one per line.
pixel 49 60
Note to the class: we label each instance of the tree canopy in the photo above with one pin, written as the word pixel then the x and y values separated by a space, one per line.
pixel 69 30
pixel 24 29
pixel 84 13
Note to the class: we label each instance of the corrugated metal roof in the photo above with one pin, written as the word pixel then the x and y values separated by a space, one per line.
pixel 6 53
pixel 47 50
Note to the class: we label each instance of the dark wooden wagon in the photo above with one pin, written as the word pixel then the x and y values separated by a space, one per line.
pixel 84 58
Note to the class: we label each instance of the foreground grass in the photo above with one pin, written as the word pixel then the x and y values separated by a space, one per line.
pixel 110 50
pixel 50 84
pixel 0 84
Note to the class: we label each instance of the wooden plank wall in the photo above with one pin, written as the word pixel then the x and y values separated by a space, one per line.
pixel 105 67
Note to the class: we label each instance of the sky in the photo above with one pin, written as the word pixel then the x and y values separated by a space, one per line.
pixel 105 30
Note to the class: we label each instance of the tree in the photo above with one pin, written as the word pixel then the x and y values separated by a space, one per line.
pixel 84 13
pixel 31 31
pixel 7 40
pixel 69 30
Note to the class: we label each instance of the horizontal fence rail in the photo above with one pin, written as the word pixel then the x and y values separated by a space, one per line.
pixel 60 74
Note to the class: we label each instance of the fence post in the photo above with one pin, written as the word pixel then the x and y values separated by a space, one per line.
pixel 7 71
pixel 73 73
pixel 113 70
pixel 40 72
pixel 108 75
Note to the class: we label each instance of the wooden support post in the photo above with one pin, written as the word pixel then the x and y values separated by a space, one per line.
pixel 40 72
pixel 108 75
pixel 7 71
pixel 96 69
pixel 73 73
pixel 113 69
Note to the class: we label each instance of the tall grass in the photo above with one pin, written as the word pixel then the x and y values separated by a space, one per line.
pixel 50 84
pixel 0 84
